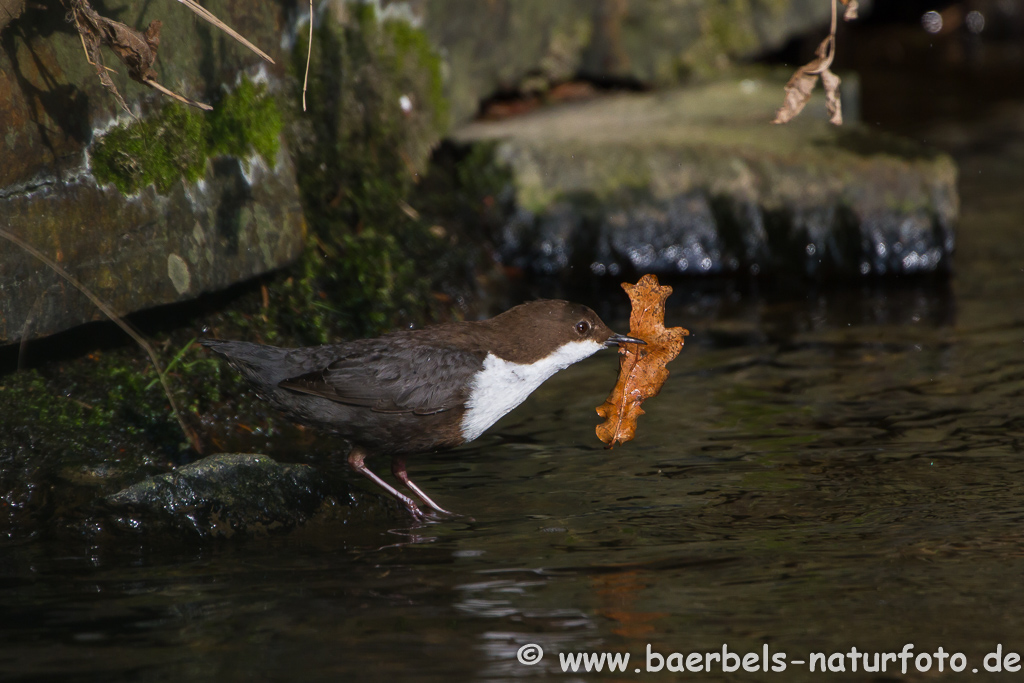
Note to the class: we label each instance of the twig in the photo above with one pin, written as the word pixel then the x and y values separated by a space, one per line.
pixel 88 24
pixel 209 16
pixel 831 43
pixel 181 98
pixel 309 53
pixel 174 361
pixel 92 63
pixel 190 434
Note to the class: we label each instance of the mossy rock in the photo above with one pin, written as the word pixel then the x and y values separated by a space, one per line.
pixel 502 46
pixel 224 495
pixel 376 111
pixel 148 209
pixel 697 181
pixel 176 142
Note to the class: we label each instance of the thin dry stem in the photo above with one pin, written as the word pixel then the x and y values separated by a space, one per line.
pixel 92 63
pixel 309 53
pixel 181 98
pixel 209 16
pixel 831 43
pixel 190 434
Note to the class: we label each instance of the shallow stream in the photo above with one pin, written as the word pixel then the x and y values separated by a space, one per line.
pixel 823 470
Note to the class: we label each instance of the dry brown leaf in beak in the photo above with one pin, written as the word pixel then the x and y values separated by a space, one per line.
pixel 642 369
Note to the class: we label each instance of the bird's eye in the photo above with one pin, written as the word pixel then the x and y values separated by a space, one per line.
pixel 583 327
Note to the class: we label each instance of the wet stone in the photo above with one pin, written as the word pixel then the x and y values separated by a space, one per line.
pixel 698 182
pixel 681 236
pixel 225 495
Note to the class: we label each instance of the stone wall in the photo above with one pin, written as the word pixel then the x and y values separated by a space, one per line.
pixel 237 215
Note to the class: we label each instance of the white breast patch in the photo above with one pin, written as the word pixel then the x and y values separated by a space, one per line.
pixel 502 385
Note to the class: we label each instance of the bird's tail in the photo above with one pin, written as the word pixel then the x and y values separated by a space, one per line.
pixel 263 366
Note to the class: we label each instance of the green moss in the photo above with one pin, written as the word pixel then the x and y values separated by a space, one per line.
pixel 157 150
pixel 112 402
pixel 414 51
pixel 376 110
pixel 727 32
pixel 175 142
pixel 27 398
pixel 246 120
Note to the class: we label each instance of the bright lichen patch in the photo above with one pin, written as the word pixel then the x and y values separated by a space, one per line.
pixel 176 142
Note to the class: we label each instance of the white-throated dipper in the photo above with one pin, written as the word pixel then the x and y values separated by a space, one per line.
pixel 418 391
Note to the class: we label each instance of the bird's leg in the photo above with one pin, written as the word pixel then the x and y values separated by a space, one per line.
pixel 355 461
pixel 398 469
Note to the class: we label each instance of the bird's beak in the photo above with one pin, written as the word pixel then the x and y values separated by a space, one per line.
pixel 619 339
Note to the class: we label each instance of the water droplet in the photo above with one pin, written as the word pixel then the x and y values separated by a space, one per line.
pixel 975 22
pixel 931 21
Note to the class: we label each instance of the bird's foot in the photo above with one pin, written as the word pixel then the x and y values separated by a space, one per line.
pixel 426 499
pixel 398 469
pixel 414 509
pixel 356 461
pixel 434 514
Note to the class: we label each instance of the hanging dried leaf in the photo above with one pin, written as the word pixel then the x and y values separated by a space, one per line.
pixel 830 82
pixel 798 93
pixel 642 369
pixel 801 84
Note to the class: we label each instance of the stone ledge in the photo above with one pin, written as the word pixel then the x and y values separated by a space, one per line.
pixel 144 250
pixel 697 181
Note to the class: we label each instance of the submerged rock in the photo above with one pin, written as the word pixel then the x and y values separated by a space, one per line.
pixel 697 181
pixel 224 495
